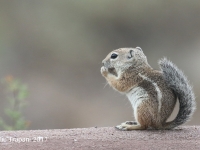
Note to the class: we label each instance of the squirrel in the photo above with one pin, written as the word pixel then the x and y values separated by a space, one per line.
pixel 152 93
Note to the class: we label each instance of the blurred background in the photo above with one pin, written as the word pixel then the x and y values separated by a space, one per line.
pixel 56 49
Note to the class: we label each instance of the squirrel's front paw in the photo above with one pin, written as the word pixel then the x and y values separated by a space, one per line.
pixel 104 71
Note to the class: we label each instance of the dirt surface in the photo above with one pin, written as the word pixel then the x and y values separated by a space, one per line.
pixel 106 138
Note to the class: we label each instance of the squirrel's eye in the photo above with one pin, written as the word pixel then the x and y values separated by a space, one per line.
pixel 113 56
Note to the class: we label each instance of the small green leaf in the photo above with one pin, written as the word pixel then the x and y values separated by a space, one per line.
pixel 17 94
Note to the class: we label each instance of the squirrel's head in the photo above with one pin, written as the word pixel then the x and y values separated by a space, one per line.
pixel 122 59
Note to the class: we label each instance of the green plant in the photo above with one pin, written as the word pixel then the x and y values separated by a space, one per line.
pixel 16 101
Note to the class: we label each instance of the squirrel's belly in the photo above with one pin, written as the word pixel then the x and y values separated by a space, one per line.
pixel 136 96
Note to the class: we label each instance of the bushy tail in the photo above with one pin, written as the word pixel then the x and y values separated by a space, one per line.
pixel 179 83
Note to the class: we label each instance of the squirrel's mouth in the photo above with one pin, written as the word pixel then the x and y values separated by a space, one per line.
pixel 112 71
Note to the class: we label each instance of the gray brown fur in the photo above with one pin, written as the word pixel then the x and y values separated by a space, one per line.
pixel 152 93
pixel 179 83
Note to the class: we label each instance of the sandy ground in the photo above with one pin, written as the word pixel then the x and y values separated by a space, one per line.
pixel 106 138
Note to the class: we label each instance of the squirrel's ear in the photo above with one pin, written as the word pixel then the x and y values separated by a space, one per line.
pixel 130 55
pixel 139 48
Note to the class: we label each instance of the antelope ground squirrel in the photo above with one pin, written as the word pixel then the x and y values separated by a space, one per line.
pixel 152 93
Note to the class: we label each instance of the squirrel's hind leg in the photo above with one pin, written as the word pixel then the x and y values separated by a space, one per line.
pixel 130 125
pixel 144 118
pixel 130 122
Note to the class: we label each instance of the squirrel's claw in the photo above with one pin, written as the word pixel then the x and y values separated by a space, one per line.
pixel 120 127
